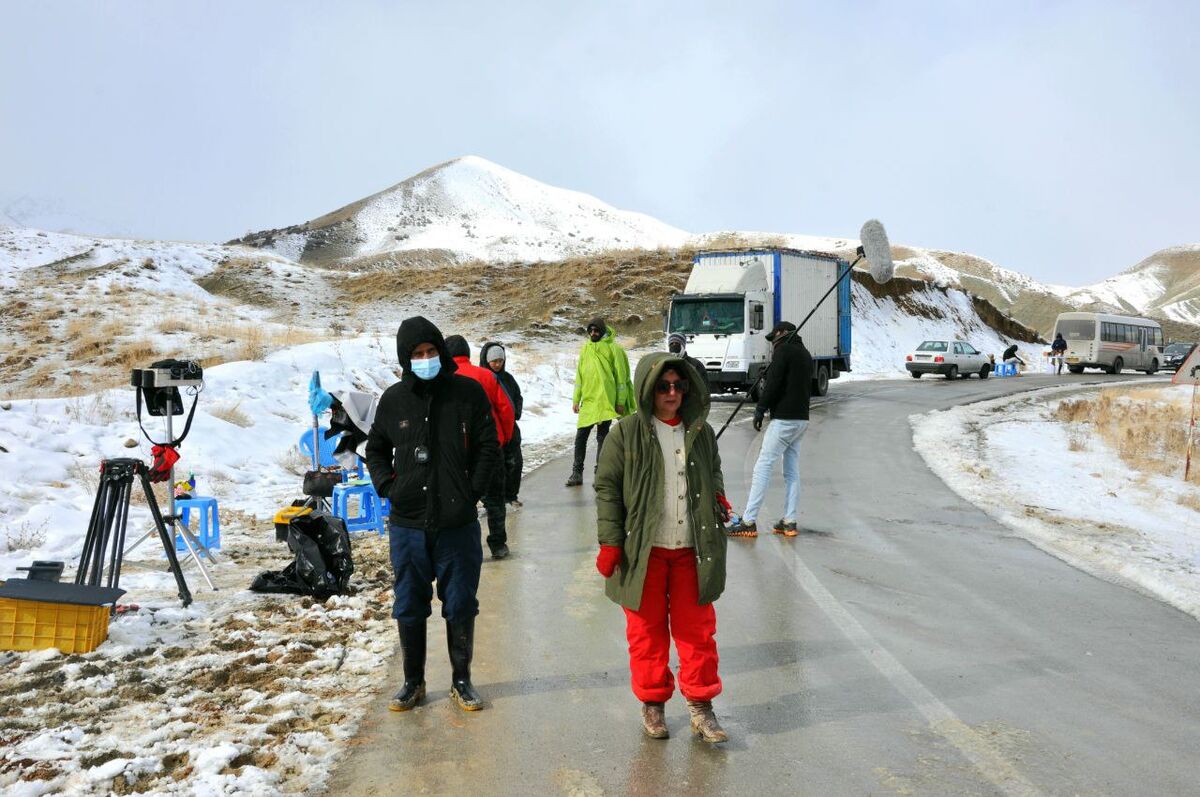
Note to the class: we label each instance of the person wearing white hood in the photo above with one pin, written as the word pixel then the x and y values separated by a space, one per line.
pixel 494 356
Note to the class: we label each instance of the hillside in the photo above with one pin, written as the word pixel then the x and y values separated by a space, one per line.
pixel 466 209
pixel 1164 286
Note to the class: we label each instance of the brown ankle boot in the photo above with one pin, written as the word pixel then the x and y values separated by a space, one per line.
pixel 704 722
pixel 654 721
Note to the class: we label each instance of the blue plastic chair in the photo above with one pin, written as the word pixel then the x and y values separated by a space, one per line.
pixel 326 447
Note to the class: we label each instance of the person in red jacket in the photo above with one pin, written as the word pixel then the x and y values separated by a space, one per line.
pixel 502 412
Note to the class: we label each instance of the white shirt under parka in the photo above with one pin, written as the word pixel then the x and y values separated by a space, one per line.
pixel 675 528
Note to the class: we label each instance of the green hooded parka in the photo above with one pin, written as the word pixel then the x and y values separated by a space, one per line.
pixel 630 483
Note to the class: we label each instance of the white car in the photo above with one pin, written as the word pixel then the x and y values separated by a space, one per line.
pixel 950 358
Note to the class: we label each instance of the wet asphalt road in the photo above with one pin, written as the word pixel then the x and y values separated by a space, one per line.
pixel 904 643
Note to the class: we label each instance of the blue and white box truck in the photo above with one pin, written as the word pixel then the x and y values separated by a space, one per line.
pixel 733 299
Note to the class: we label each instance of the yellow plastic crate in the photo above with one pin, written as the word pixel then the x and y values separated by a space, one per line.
pixel 37 625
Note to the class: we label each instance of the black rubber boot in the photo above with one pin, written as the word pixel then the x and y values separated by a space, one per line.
pixel 460 640
pixel 576 478
pixel 412 648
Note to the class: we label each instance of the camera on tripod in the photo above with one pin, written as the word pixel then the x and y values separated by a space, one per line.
pixel 159 385
pixel 169 373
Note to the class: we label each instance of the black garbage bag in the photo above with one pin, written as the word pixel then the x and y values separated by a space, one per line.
pixel 323 563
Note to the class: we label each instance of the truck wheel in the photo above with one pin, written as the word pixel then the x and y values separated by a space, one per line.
pixel 1075 369
pixel 821 383
pixel 1117 365
pixel 952 373
pixel 1153 368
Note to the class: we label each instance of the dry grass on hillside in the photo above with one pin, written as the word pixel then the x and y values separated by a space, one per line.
pixel 89 354
pixel 1147 432
pixel 629 288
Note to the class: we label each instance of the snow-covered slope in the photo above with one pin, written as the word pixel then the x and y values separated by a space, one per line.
pixel 470 208
pixel 162 266
pixel 1166 285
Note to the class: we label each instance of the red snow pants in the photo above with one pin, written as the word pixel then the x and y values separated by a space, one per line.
pixel 670 609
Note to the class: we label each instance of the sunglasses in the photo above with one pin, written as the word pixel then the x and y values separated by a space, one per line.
pixel 664 387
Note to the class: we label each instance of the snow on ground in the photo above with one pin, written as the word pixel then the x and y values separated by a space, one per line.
pixel 174 265
pixel 1068 493
pixel 883 332
pixel 239 693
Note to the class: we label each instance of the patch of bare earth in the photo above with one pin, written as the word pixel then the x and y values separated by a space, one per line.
pixel 279 676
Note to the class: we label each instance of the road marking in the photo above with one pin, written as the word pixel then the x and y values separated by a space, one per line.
pixel 986 758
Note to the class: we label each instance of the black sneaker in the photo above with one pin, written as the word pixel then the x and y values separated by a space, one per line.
pixel 500 551
pixel 785 528
pixel 575 479
pixel 742 529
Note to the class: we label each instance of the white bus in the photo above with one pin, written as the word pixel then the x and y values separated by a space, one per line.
pixel 1110 342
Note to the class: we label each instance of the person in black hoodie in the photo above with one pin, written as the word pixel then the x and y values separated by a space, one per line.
pixel 493 356
pixel 431 452
pixel 785 395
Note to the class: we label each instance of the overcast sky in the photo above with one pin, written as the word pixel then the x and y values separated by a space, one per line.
pixel 1061 139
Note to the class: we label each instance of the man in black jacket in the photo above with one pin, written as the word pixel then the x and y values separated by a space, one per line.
pixel 785 395
pixel 493 356
pixel 431 452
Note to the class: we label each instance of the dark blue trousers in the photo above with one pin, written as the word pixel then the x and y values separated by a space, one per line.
pixel 452 557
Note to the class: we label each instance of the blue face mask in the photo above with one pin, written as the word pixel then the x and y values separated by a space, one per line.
pixel 427 369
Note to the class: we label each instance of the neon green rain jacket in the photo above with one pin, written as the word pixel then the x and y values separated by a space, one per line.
pixel 602 382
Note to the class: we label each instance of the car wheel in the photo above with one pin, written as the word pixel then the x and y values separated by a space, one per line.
pixel 952 373
pixel 985 372
pixel 1117 365
pixel 914 375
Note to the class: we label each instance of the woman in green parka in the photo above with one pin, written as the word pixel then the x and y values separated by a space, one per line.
pixel 660 503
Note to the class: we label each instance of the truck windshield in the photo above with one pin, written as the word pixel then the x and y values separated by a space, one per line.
pixel 1079 329
pixel 712 316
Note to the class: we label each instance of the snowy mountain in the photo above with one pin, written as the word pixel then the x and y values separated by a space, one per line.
pixel 1165 286
pixel 469 209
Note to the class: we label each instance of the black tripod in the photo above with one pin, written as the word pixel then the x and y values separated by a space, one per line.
pixel 104 545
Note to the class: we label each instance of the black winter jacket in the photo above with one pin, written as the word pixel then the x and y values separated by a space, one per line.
pixel 450 418
pixel 507 381
pixel 788 382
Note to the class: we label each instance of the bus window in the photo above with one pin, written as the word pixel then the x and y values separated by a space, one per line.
pixel 1081 329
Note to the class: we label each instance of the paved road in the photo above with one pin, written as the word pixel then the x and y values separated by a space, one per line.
pixel 905 643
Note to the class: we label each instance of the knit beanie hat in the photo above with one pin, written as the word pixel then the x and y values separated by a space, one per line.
pixel 675 337
pixel 493 352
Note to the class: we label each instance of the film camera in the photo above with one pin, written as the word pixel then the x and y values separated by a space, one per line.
pixel 159 385
pixel 169 373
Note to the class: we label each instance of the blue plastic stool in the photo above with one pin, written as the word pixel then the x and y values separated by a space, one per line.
pixel 209 532
pixel 371 514
pixel 1010 369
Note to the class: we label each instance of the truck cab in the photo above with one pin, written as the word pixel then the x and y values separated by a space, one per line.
pixel 726 332
pixel 733 299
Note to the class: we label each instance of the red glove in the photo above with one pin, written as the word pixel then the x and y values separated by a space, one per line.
pixel 608 559
pixel 726 507
pixel 165 458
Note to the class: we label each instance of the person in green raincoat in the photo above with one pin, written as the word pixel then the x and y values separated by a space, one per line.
pixel 659 508
pixel 603 392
